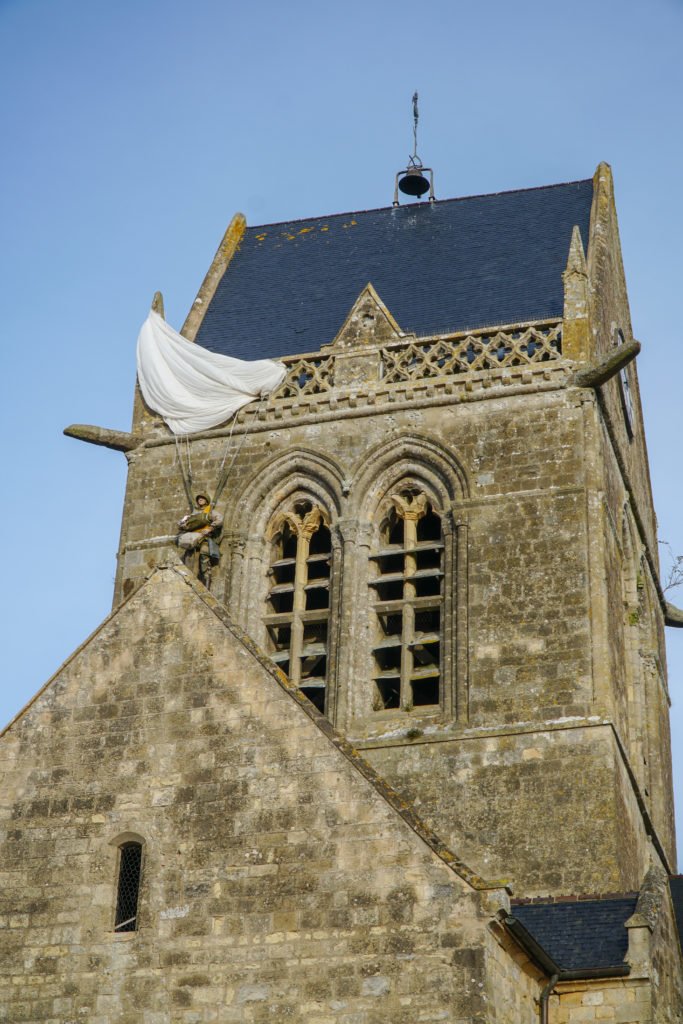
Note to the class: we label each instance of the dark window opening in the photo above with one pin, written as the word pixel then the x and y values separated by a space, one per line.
pixel 427 620
pixel 283 570
pixel 388 657
pixel 426 651
pixel 317 596
pixel 429 527
pixel 388 692
pixel 128 892
pixel 425 691
pixel 389 590
pixel 390 624
pixel 319 567
pixel 428 558
pixel 280 636
pixel 288 542
pixel 394 533
pixel 314 665
pixel 627 405
pixel 428 586
pixel 321 542
pixel 389 561
pixel 315 633
pixel 281 602
pixel 316 695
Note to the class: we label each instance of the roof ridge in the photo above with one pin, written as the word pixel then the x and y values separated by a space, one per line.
pixel 437 202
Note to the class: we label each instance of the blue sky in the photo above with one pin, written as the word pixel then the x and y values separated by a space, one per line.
pixel 133 131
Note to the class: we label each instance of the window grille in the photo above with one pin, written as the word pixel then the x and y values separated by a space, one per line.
pixel 130 862
pixel 408 586
pixel 299 599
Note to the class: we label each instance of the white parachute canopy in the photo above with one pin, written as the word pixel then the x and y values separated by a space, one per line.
pixel 192 388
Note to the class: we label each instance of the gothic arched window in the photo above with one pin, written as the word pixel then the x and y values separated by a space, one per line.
pixel 298 609
pixel 128 887
pixel 408 603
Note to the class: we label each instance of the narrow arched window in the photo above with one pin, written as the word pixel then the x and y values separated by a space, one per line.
pixel 299 598
pixel 128 888
pixel 408 600
pixel 625 390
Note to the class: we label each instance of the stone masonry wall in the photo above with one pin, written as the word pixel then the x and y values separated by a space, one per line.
pixel 665 966
pixel 514 982
pixel 525 515
pixel 611 313
pixel 615 1001
pixel 539 632
pixel 551 811
pixel 635 693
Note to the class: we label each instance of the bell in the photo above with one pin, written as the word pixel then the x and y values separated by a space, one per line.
pixel 413 183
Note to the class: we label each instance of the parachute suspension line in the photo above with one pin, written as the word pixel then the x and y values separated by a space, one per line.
pixel 227 449
pixel 225 473
pixel 185 475
pixel 185 460
pixel 188 449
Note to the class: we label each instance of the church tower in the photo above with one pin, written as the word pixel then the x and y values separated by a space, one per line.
pixel 440 527
pixel 420 672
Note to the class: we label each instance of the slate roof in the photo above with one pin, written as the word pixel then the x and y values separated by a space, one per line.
pixel 582 934
pixel 448 266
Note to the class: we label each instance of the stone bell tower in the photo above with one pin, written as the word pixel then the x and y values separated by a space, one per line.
pixel 440 527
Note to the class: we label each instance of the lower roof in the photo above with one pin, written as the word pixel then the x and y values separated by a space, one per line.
pixel 580 935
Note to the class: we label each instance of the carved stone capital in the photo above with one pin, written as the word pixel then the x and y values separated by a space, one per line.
pixel 410 507
pixel 354 531
pixel 306 525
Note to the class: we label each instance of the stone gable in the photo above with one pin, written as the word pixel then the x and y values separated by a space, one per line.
pixel 276 878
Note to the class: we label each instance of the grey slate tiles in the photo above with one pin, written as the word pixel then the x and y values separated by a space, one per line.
pixel 449 266
pixel 581 934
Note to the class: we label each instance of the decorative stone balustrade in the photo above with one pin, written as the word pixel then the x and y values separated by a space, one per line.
pixel 438 357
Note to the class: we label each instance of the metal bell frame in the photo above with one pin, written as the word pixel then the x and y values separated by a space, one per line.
pixel 414 170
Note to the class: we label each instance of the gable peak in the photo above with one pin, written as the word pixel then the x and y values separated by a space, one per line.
pixel 369 322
